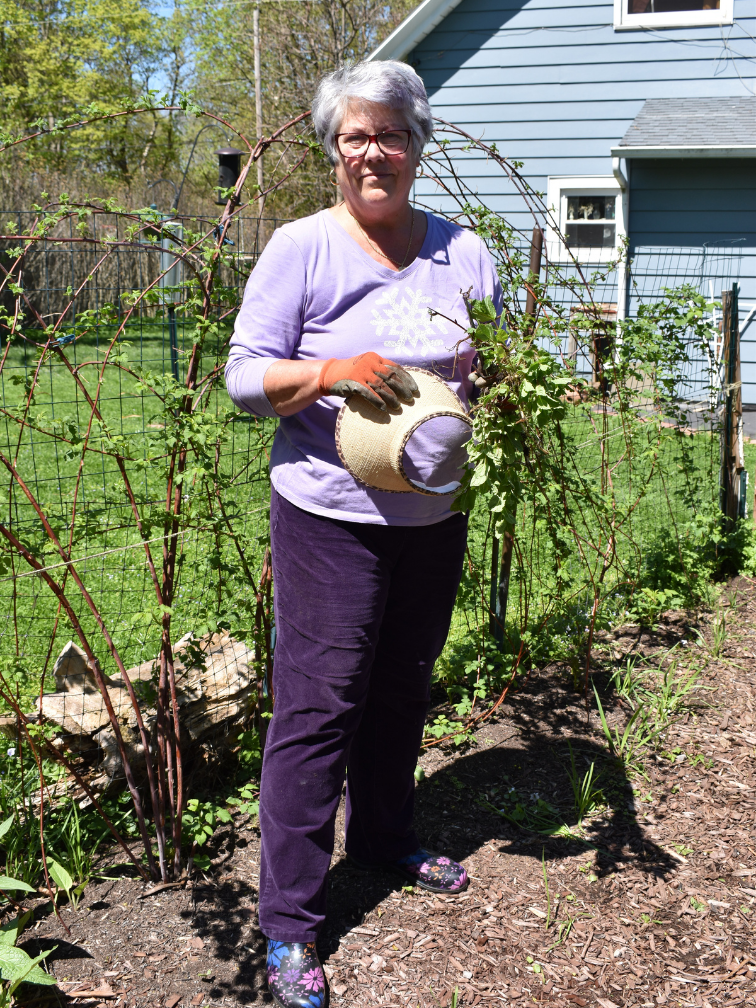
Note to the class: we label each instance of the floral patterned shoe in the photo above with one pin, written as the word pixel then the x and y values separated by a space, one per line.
pixel 429 871
pixel 426 870
pixel 295 976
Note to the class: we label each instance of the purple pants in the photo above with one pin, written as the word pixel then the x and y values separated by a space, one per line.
pixel 362 613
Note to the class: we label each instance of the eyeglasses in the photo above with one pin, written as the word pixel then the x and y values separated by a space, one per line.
pixel 356 144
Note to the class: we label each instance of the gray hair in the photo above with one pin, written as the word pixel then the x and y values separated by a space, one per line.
pixel 385 82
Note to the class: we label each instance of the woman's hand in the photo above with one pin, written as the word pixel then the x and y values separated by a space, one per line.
pixel 377 379
pixel 293 385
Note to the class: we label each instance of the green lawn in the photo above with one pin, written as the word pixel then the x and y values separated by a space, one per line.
pixel 106 542
pixel 111 560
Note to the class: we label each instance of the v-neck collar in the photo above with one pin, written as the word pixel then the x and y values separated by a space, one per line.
pixel 384 271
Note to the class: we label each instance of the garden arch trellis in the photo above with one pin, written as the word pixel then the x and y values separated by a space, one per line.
pixel 127 535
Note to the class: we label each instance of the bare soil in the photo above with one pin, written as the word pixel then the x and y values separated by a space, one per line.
pixel 661 899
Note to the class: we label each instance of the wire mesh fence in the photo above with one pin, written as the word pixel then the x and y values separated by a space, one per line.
pixel 135 568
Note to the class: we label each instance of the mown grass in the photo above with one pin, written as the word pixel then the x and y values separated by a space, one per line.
pixel 682 470
pixel 105 539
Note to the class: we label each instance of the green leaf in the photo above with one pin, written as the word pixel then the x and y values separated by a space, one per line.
pixel 60 876
pixel 13 883
pixel 9 932
pixel 5 826
pixel 16 965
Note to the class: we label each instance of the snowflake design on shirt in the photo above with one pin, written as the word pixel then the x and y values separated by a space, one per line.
pixel 407 318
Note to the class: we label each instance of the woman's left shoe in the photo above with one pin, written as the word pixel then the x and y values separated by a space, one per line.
pixel 295 976
pixel 428 871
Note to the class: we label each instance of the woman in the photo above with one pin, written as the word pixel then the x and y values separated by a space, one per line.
pixel 365 580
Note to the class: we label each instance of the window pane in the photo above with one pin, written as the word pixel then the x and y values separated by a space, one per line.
pixel 667 6
pixel 580 235
pixel 590 208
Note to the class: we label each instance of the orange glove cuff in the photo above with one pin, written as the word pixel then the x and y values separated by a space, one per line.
pixel 363 369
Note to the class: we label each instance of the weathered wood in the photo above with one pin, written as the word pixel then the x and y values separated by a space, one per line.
pixel 215 687
pixel 732 460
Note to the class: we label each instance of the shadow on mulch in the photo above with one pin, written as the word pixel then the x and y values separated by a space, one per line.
pixel 450 817
pixel 58 948
pixel 222 911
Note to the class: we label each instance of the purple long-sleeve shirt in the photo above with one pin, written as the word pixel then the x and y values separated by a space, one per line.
pixel 315 294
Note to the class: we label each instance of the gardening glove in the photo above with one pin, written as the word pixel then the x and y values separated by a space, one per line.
pixel 382 382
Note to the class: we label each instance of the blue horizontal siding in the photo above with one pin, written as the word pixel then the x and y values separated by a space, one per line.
pixel 554 86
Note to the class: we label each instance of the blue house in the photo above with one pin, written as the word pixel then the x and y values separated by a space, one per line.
pixel 636 119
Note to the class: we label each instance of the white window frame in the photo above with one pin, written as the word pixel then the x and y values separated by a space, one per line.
pixel 559 187
pixel 671 19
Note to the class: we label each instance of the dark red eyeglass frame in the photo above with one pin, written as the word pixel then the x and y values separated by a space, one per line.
pixel 373 138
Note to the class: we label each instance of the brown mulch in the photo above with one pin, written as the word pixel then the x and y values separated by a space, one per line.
pixel 657 908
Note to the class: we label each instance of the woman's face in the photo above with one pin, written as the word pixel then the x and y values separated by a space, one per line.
pixel 375 181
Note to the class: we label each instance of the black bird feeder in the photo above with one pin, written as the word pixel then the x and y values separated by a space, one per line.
pixel 229 169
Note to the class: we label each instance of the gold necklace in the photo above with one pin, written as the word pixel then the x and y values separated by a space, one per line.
pixel 383 254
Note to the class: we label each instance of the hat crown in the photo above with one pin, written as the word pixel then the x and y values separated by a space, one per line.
pixel 371 442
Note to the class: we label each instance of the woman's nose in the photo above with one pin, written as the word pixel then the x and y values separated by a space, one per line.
pixel 374 151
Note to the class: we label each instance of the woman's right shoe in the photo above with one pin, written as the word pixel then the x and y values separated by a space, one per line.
pixel 295 976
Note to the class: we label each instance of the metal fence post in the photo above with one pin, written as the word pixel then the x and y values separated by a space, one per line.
pixel 732 499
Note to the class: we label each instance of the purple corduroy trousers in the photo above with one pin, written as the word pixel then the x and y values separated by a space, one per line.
pixel 362 613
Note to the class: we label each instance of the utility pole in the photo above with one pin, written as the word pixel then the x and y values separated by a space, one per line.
pixel 258 93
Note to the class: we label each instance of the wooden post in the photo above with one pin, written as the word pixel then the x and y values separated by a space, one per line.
pixel 732 461
pixel 536 253
pixel 501 559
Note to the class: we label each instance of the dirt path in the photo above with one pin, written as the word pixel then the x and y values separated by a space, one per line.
pixel 655 906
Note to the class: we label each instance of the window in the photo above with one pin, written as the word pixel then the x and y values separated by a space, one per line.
pixel 590 222
pixel 671 13
pixel 589 213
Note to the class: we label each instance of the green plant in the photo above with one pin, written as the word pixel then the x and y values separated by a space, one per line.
pixel 718 632
pixel 649 603
pixel 626 681
pixel 245 800
pixel 63 881
pixel 536 816
pixel 201 820
pixel 546 887
pixel 441 727
pixel 73 843
pixel 637 734
pixel 16 966
pixel 587 797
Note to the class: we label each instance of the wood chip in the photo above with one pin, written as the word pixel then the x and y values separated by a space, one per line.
pixel 172 1000
pixel 197 999
pixel 105 991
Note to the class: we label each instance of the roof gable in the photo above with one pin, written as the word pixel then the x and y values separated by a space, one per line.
pixel 413 29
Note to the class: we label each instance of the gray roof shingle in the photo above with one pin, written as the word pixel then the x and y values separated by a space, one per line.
pixel 691 122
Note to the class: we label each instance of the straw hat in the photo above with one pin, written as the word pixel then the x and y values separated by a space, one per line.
pixel 371 443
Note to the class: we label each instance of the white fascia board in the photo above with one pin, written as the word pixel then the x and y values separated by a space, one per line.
pixel 709 151
pixel 413 29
